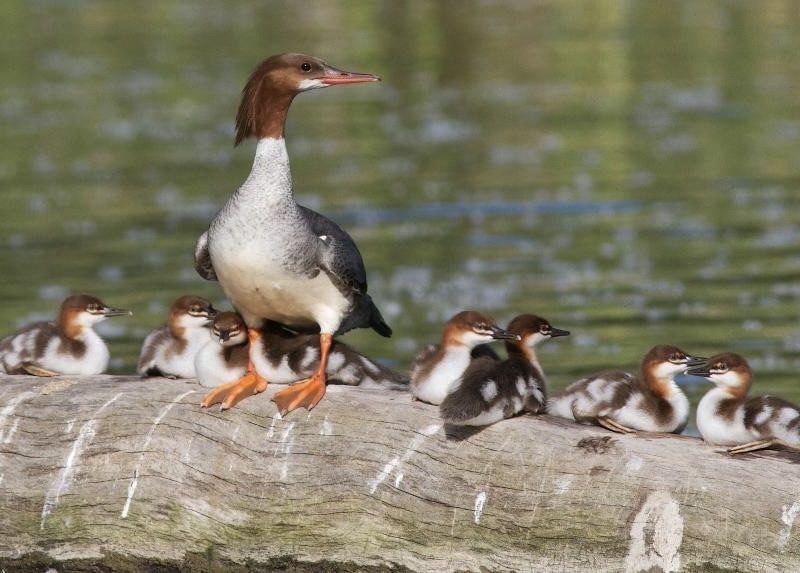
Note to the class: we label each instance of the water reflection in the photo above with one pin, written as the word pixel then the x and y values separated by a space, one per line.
pixel 627 170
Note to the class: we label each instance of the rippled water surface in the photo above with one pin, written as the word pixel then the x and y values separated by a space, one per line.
pixel 628 170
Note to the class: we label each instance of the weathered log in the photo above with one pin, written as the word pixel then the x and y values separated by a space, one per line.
pixel 109 468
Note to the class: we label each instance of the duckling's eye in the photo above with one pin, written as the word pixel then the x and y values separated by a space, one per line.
pixel 481 326
pixel 545 329
pixel 676 357
pixel 305 66
pixel 93 307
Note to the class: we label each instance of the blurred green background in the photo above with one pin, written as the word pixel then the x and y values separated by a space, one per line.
pixel 628 170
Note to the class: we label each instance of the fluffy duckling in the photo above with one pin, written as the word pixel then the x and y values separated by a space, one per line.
pixel 68 345
pixel 438 366
pixel 283 356
pixel 727 417
pixel 225 356
pixel 619 401
pixel 170 350
pixel 491 390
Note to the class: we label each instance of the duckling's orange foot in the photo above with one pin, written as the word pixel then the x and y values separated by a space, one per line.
pixel 230 394
pixel 303 394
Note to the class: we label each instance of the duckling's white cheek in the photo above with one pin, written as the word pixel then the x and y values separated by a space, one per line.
pixel 668 369
pixel 472 338
pixel 729 379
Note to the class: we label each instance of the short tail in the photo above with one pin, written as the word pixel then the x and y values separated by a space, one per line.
pixel 378 324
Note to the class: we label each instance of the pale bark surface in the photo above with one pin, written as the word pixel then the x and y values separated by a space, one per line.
pixel 110 465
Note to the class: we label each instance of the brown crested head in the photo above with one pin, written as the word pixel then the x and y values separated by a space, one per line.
pixel 471 327
pixel 269 91
pixel 82 310
pixel 192 305
pixel 666 360
pixel 82 303
pixel 664 353
pixel 729 371
pixel 229 326
pixel 531 330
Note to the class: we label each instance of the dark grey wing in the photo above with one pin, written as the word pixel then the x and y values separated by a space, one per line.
pixel 202 259
pixel 341 260
pixel 339 255
pixel 465 401
pixel 780 413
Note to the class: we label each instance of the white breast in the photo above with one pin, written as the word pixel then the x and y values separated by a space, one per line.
pixel 253 244
pixel 717 430
pixel 181 364
pixel 258 290
pixel 93 361
pixel 636 413
pixel 211 368
pixel 435 387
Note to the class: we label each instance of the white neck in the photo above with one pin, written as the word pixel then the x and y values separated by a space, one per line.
pixel 270 178
pixel 718 430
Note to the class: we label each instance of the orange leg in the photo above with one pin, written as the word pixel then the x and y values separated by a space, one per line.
pixel 310 392
pixel 234 392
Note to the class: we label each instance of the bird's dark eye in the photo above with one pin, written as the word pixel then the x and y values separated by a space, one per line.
pixel 305 66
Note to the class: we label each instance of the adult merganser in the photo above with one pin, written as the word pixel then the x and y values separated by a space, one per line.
pixel 623 402
pixel 492 390
pixel 275 259
pixel 169 350
pixel 66 346
pixel 284 357
pixel 727 417
pixel 437 366
pixel 225 356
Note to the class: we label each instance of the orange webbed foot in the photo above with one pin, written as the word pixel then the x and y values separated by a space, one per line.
pixel 303 394
pixel 230 394
pixel 234 392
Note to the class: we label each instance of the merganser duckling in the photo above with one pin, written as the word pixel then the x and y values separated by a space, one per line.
pixel 169 350
pixel 437 366
pixel 491 390
pixel 224 358
pixel 623 402
pixel 284 357
pixel 275 259
pixel 727 417
pixel 68 345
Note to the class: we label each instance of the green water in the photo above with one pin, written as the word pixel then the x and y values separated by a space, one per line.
pixel 626 169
